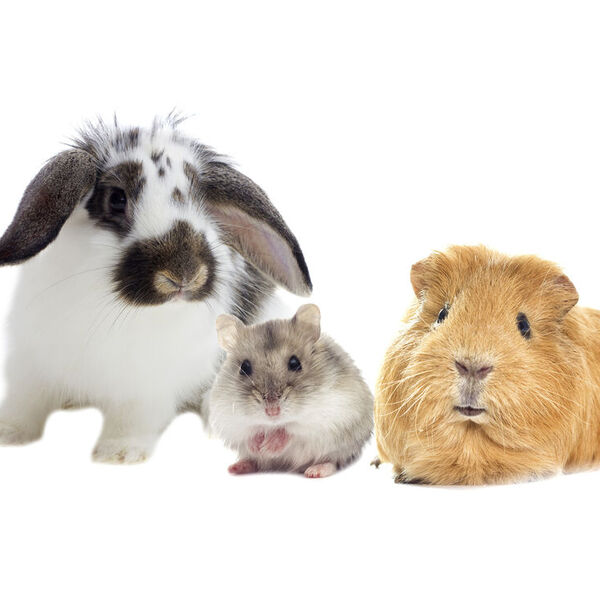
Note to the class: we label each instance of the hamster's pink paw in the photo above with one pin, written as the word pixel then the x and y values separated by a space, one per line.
pixel 243 467
pixel 320 470
pixel 276 441
pixel 256 442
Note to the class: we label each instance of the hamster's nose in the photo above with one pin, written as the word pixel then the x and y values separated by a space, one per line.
pixel 471 368
pixel 272 396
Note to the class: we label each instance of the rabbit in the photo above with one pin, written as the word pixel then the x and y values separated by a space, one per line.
pixel 288 398
pixel 132 241
pixel 494 378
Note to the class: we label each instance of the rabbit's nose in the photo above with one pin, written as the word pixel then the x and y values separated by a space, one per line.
pixel 168 282
pixel 470 368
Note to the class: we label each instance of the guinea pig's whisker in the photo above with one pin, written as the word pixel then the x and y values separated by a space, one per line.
pixel 396 384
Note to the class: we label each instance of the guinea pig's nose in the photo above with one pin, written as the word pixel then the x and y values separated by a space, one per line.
pixel 470 368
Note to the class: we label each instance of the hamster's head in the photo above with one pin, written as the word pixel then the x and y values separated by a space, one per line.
pixel 486 350
pixel 270 368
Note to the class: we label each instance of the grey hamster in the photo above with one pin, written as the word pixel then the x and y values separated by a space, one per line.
pixel 288 398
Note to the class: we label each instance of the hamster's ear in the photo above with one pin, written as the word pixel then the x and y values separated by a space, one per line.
pixel 308 317
pixel 254 227
pixel 566 293
pixel 419 276
pixel 47 203
pixel 228 331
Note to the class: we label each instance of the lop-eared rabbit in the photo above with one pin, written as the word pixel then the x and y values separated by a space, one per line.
pixel 133 241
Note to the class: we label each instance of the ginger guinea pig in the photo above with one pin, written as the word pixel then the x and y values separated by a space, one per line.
pixel 496 376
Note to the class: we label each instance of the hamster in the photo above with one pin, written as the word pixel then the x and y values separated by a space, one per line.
pixel 495 377
pixel 288 398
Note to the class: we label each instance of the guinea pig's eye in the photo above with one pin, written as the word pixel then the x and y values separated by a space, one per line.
pixel 294 363
pixel 443 313
pixel 117 200
pixel 523 326
pixel 246 368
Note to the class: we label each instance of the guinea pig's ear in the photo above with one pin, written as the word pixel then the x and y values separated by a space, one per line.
pixel 254 227
pixel 228 331
pixel 308 317
pixel 419 273
pixel 47 203
pixel 565 292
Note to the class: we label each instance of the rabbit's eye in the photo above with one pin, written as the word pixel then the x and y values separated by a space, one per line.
pixel 117 200
pixel 246 368
pixel 294 363
pixel 443 313
pixel 523 326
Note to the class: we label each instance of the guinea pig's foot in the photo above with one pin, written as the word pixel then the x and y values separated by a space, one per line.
pixel 403 478
pixel 276 441
pixel 11 435
pixel 243 467
pixel 376 462
pixel 122 451
pixel 320 470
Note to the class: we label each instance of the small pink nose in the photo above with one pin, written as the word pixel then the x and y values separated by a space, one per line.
pixel 469 368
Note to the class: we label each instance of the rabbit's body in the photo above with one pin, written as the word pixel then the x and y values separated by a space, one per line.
pixel 495 377
pixel 83 331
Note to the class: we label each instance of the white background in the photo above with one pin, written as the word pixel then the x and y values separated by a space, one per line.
pixel 381 131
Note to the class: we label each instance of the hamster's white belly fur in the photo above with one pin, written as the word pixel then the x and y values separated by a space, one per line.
pixel 334 431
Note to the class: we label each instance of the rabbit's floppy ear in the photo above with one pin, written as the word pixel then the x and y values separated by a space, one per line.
pixel 47 203
pixel 254 227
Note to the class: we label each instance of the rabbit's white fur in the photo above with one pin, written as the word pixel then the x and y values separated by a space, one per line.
pixel 73 342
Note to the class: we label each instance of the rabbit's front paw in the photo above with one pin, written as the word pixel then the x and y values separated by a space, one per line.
pixel 12 435
pixel 122 451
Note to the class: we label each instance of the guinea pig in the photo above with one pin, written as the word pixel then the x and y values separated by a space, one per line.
pixel 495 377
pixel 288 398
pixel 132 242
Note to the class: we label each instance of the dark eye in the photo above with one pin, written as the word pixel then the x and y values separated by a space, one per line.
pixel 117 200
pixel 294 364
pixel 523 326
pixel 443 313
pixel 246 368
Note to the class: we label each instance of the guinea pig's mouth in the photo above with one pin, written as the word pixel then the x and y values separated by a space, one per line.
pixel 469 411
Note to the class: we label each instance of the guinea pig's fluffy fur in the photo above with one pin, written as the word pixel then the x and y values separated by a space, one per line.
pixel 530 387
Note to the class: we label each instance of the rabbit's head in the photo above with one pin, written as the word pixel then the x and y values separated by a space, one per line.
pixel 172 207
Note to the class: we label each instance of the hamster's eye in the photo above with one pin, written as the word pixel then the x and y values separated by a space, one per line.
pixel 117 200
pixel 523 326
pixel 443 313
pixel 294 363
pixel 246 368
